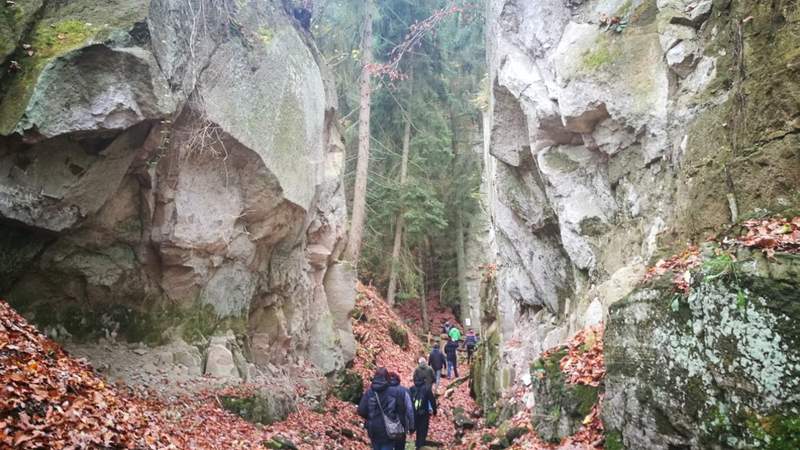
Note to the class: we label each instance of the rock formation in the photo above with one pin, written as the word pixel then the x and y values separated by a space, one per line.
pixel 618 131
pixel 172 170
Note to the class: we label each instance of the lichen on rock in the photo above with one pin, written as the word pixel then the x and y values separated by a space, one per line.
pixel 700 369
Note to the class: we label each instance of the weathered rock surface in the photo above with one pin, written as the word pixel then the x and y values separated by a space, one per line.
pixel 166 172
pixel 560 407
pixel 265 407
pixel 609 148
pixel 718 368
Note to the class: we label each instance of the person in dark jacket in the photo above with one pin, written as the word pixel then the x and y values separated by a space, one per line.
pixel 402 395
pixel 379 396
pixel 437 361
pixel 424 406
pixel 424 372
pixel 471 341
pixel 451 350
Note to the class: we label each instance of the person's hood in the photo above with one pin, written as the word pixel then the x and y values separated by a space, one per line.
pixel 379 384
pixel 393 382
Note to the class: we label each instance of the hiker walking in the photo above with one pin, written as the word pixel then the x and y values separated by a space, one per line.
pixel 437 362
pixel 454 333
pixel 446 327
pixel 446 330
pixel 402 395
pixel 423 372
pixel 451 350
pixel 381 411
pixel 471 341
pixel 424 406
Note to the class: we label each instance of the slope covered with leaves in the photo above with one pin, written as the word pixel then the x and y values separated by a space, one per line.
pixel 770 235
pixel 51 400
pixel 411 311
pixel 372 321
pixel 371 325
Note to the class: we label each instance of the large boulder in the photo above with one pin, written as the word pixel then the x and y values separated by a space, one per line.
pixel 716 368
pixel 169 172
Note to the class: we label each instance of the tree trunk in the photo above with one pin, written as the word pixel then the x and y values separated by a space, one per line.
pixel 423 300
pixel 399 223
pixel 461 263
pixel 353 249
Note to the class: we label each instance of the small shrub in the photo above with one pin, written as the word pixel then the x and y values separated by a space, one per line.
pixel 718 266
pixel 349 386
pixel 358 314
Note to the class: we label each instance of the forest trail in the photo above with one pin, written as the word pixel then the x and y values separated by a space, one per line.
pixel 66 402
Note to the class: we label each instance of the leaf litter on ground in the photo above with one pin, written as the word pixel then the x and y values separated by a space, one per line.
pixel 771 236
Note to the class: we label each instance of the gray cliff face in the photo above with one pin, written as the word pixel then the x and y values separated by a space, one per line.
pixel 609 148
pixel 173 169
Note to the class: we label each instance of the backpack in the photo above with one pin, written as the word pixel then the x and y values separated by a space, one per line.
pixel 394 429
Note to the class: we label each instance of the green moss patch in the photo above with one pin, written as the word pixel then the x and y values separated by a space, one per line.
pixel 614 441
pixel 560 407
pixel 399 335
pixel 603 54
pixel 348 386
pixel 47 42
pixel 265 410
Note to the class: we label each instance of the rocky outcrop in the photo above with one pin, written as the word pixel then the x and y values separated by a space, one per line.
pixel 717 368
pixel 174 169
pixel 618 131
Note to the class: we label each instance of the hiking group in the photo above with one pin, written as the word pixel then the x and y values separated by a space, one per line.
pixel 392 411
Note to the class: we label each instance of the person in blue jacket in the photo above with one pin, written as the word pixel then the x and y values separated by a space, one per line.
pixel 437 362
pixel 402 395
pixel 451 351
pixel 379 399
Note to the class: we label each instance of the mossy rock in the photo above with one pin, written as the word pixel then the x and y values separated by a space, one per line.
pixel 614 441
pixel 747 126
pixel 399 335
pixel 266 407
pixel 462 420
pixel 280 443
pixel 358 314
pixel 349 386
pixel 62 28
pixel 492 417
pixel 560 407
pixel 14 19
pixel 515 433
pixel 737 323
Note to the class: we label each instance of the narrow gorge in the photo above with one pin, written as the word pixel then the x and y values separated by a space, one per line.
pixel 606 191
